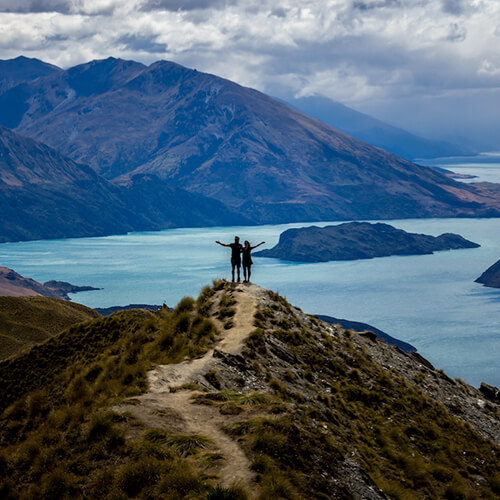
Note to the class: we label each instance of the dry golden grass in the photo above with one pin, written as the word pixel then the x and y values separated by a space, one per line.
pixel 25 321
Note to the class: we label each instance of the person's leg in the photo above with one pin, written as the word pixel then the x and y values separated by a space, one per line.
pixel 238 267
pixel 249 272
pixel 244 272
pixel 232 271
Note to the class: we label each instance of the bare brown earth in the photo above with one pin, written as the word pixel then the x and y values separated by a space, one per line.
pixel 13 284
pixel 169 406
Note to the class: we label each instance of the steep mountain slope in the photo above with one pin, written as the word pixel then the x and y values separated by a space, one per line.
pixel 216 138
pixel 373 131
pixel 238 386
pixel 23 69
pixel 25 321
pixel 46 195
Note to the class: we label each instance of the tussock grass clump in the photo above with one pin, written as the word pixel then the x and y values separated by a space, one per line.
pixel 188 444
pixel 235 492
pixel 213 378
pixel 255 342
pixel 233 402
pixel 186 304
pixel 226 307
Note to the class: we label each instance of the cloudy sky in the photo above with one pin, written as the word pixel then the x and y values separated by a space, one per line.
pixel 431 66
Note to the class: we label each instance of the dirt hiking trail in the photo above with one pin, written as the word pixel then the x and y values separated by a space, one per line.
pixel 174 410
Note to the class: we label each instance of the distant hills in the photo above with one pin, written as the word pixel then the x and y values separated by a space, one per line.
pixel 375 132
pixel 175 147
pixel 358 240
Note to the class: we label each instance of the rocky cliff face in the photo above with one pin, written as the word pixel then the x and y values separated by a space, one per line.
pixel 218 139
pixel 243 395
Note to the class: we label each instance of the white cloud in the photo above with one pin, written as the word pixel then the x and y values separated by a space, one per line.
pixel 355 51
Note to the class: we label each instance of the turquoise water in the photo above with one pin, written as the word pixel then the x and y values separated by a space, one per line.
pixel 430 301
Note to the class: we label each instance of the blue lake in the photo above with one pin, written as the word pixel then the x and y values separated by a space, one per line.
pixel 485 167
pixel 430 301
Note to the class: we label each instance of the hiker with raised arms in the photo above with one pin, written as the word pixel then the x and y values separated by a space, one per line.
pixel 236 249
pixel 247 260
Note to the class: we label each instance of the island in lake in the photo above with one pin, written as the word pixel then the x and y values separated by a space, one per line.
pixel 358 240
pixel 491 277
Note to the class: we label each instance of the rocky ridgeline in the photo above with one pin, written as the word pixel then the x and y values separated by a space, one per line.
pixel 322 387
pixel 241 394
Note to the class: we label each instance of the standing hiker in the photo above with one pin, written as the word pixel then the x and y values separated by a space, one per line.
pixel 247 260
pixel 236 249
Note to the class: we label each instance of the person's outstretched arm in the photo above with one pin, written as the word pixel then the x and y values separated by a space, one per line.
pixel 223 244
pixel 255 246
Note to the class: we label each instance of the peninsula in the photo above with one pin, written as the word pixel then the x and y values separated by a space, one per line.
pixel 13 284
pixel 491 277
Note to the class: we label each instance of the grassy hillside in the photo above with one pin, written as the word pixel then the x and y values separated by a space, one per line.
pixel 59 438
pixel 25 321
pixel 320 412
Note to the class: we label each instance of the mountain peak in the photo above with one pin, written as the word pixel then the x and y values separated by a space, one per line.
pixel 23 69
pixel 224 141
pixel 102 75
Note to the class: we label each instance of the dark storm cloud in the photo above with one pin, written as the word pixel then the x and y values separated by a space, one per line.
pixel 142 43
pixel 379 4
pixel 279 12
pixel 28 6
pixel 456 33
pixel 175 5
pixel 456 7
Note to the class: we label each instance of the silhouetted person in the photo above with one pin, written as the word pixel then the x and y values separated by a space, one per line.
pixel 247 260
pixel 236 248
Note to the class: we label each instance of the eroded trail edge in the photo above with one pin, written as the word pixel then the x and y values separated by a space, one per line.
pixel 169 406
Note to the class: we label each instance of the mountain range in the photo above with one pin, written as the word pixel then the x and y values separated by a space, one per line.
pixel 22 69
pixel 374 131
pixel 46 195
pixel 170 146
